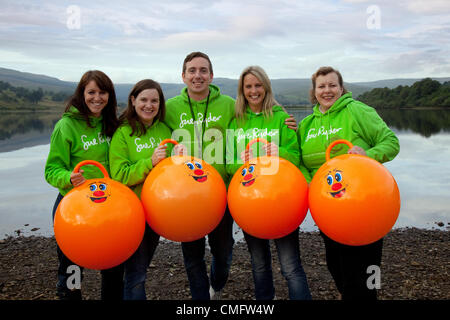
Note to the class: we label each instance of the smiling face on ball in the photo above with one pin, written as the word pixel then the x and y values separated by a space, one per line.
pixel 248 175
pixel 98 192
pixel 335 180
pixel 196 170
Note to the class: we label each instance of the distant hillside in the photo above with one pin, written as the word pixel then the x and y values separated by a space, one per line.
pixel 423 93
pixel 35 81
pixel 393 83
pixel 287 91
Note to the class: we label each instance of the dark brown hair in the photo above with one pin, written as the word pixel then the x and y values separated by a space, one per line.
pixel 323 71
pixel 109 112
pixel 130 114
pixel 197 54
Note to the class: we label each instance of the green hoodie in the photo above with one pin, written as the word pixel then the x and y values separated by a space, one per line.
pixel 220 112
pixel 347 119
pixel 255 125
pixel 73 141
pixel 131 156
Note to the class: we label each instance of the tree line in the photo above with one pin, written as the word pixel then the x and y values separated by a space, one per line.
pixel 10 93
pixel 423 93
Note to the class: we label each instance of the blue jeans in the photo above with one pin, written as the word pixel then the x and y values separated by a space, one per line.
pixel 291 267
pixel 136 266
pixel 221 243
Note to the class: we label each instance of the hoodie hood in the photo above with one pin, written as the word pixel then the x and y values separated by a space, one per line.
pixel 250 114
pixel 340 103
pixel 254 126
pixel 75 114
pixel 346 119
pixel 214 92
pixel 73 141
pixel 213 121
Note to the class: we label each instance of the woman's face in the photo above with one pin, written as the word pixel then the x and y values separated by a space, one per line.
pixel 254 92
pixel 328 90
pixel 95 98
pixel 146 105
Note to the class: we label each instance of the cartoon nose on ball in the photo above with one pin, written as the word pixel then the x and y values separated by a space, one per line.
pixel 184 197
pixel 99 224
pixel 336 186
pixel 197 169
pixel 268 203
pixel 353 199
pixel 248 177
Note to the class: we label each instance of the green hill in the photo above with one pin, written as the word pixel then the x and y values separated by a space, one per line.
pixel 423 93
pixel 288 92
pixel 35 81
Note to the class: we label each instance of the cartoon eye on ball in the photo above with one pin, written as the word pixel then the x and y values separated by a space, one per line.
pixel 98 194
pixel 334 179
pixel 198 173
pixel 248 175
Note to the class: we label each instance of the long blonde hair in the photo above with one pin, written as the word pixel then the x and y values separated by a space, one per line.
pixel 242 103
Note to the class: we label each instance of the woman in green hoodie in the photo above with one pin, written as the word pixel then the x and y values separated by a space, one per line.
pixel 83 133
pixel 135 150
pixel 336 115
pixel 258 115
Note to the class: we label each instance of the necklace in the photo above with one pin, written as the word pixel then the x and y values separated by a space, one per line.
pixel 199 134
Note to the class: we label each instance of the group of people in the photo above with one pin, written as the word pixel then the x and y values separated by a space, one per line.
pixel 91 113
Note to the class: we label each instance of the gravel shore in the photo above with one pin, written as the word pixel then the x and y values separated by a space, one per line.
pixel 415 265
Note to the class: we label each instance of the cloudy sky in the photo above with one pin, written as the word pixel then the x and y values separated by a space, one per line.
pixel 365 40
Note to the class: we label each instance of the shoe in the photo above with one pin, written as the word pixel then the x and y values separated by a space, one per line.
pixel 215 295
pixel 66 294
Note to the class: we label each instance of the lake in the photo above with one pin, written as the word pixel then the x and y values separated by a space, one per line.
pixel 421 169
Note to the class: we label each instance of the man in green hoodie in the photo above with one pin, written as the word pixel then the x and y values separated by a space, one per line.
pixel 199 117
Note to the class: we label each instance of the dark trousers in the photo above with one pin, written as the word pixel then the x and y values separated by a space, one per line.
pixel 221 244
pixel 348 267
pixel 112 279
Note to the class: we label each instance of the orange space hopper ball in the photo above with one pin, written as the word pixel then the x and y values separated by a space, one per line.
pixel 184 198
pixel 268 196
pixel 99 224
pixel 353 199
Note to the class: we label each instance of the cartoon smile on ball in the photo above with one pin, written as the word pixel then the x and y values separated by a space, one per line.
pixel 248 175
pixel 334 179
pixel 99 192
pixel 196 171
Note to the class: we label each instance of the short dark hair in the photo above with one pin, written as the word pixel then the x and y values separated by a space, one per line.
pixel 323 71
pixel 130 114
pixel 197 54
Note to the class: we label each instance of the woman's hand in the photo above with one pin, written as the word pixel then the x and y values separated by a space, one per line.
pixel 159 154
pixel 246 155
pixel 357 150
pixel 291 123
pixel 271 149
pixel 76 178
pixel 180 150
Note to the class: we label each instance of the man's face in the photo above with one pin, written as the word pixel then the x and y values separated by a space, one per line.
pixel 197 76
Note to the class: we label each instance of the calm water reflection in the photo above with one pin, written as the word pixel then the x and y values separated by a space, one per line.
pixel 20 130
pixel 422 171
